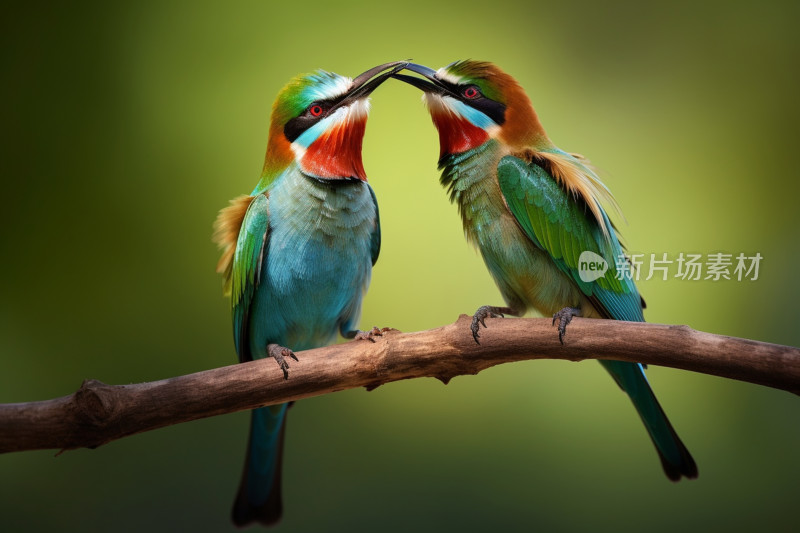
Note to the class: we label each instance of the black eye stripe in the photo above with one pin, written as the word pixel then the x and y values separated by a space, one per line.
pixel 492 109
pixel 296 126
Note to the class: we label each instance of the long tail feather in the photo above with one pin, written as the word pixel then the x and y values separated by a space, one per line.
pixel 675 458
pixel 259 496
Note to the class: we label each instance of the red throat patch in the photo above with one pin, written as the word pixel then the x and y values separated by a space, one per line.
pixel 337 153
pixel 456 133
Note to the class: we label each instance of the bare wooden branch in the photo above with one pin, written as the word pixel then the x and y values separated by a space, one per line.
pixel 98 413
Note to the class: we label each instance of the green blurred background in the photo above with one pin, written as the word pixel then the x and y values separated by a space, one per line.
pixel 126 127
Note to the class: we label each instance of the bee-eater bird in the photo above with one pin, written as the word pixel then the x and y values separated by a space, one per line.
pixel 298 251
pixel 532 210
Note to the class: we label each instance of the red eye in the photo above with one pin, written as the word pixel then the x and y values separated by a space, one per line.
pixel 471 92
pixel 315 110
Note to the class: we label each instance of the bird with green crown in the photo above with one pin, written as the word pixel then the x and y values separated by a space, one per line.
pixel 298 251
pixel 533 210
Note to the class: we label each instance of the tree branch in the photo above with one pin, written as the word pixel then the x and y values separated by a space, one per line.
pixel 98 413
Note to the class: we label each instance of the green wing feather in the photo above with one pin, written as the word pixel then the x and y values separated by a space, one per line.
pixel 558 223
pixel 375 241
pixel 247 262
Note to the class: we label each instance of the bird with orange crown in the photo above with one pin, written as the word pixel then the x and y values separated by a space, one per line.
pixel 535 212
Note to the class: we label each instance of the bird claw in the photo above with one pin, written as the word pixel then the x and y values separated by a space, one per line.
pixel 564 317
pixel 484 312
pixel 371 334
pixel 280 353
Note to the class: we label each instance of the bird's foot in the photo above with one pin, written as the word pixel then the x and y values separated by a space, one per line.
pixel 371 334
pixel 564 317
pixel 484 312
pixel 280 353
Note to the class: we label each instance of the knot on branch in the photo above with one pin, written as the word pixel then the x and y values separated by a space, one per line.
pixel 95 403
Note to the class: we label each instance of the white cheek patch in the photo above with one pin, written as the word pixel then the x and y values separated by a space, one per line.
pixel 299 151
pixel 493 131
pixel 359 109
pixel 436 102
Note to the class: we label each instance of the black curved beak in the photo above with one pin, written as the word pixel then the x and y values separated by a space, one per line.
pixel 429 83
pixel 368 81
